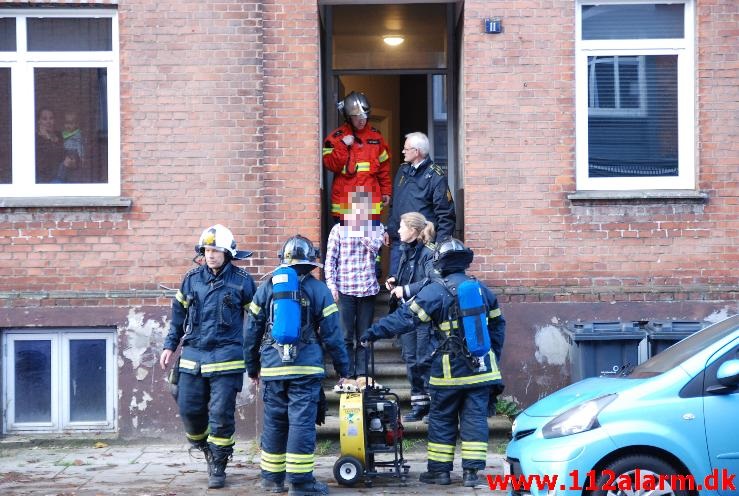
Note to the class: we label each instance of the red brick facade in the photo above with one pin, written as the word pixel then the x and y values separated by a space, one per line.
pixel 221 122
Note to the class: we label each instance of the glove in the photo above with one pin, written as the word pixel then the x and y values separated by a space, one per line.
pixel 366 338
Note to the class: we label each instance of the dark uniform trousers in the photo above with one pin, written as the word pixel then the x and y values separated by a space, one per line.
pixel 416 352
pixel 289 435
pixel 195 394
pixel 471 404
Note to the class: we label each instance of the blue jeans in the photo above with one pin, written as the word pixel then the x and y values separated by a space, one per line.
pixel 357 313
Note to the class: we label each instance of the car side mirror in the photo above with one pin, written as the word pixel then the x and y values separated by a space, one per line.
pixel 728 373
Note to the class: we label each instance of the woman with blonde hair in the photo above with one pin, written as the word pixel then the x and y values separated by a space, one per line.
pixel 415 267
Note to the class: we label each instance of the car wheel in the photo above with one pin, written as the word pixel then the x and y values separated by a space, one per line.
pixel 347 470
pixel 638 475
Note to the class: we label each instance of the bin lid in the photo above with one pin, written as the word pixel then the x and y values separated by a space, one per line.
pixel 680 326
pixel 605 330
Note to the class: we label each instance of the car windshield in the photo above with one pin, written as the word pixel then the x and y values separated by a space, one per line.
pixel 681 351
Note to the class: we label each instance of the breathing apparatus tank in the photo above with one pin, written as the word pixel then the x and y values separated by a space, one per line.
pixel 285 310
pixel 474 317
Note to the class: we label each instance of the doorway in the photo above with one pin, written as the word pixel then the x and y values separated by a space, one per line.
pixel 410 86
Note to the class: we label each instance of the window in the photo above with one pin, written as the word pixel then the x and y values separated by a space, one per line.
pixel 59 110
pixel 634 76
pixel 59 380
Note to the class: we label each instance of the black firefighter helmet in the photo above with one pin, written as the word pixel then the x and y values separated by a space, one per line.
pixel 452 256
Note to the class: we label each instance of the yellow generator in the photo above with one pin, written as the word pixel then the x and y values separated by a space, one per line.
pixel 371 435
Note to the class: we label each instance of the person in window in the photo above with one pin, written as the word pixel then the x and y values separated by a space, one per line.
pixel 351 275
pixel 358 155
pixel 420 186
pixel 51 161
pixel 73 139
pixel 208 318
pixel 414 270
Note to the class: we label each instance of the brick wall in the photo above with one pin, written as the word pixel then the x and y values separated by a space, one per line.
pixel 518 99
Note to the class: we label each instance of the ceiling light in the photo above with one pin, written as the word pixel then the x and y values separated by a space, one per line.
pixel 393 39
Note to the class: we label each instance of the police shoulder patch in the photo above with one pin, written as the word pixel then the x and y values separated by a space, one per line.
pixel 439 171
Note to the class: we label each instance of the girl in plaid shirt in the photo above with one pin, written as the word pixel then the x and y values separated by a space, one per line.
pixel 351 274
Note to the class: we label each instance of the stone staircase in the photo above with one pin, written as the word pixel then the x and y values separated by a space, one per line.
pixel 390 371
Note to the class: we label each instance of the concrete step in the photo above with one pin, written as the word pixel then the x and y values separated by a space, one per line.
pixel 498 426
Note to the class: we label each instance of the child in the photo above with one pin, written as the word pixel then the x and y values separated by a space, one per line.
pixel 72 135
pixel 350 272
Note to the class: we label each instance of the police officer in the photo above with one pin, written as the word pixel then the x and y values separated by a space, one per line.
pixel 460 383
pixel 420 186
pixel 208 317
pixel 292 382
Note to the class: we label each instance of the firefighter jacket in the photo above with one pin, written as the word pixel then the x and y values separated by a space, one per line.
pixel 320 327
pixel 423 189
pixel 450 366
pixel 208 317
pixel 365 163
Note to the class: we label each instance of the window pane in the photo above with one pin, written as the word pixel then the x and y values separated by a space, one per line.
pixel 61 34
pixel 87 380
pixel 632 22
pixel 71 125
pixel 32 381
pixel 624 142
pixel 6 153
pixel 7 34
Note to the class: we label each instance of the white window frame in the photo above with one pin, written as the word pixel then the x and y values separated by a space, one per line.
pixel 22 64
pixel 60 367
pixel 684 50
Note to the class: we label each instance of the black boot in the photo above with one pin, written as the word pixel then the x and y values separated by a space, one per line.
pixel 272 486
pixel 416 414
pixel 440 478
pixel 470 478
pixel 217 476
pixel 313 488
pixel 203 446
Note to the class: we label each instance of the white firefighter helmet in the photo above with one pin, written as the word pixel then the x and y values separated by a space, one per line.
pixel 220 238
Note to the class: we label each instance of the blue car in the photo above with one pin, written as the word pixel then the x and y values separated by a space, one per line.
pixel 668 427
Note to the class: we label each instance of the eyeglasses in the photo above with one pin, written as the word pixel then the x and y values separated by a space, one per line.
pixel 409 149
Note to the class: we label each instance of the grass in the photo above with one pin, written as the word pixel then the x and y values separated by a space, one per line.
pixel 509 408
pixel 324 447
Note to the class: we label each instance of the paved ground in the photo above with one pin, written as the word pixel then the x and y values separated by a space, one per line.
pixel 120 468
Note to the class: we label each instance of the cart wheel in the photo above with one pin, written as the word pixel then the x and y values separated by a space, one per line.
pixel 347 470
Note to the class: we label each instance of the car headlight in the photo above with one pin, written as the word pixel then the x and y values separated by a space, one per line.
pixel 581 418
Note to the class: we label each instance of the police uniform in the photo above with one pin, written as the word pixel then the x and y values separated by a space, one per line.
pixel 413 270
pixel 459 387
pixel 422 189
pixel 208 316
pixel 291 389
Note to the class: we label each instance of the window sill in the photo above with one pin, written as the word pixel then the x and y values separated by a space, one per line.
pixel 65 202
pixel 644 194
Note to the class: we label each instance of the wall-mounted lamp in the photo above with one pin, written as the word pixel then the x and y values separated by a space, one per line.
pixel 393 39
pixel 493 25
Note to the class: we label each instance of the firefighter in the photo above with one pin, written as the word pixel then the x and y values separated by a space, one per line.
pixel 292 379
pixel 460 382
pixel 208 318
pixel 358 156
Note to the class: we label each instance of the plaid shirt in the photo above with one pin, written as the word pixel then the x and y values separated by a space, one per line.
pixel 350 260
